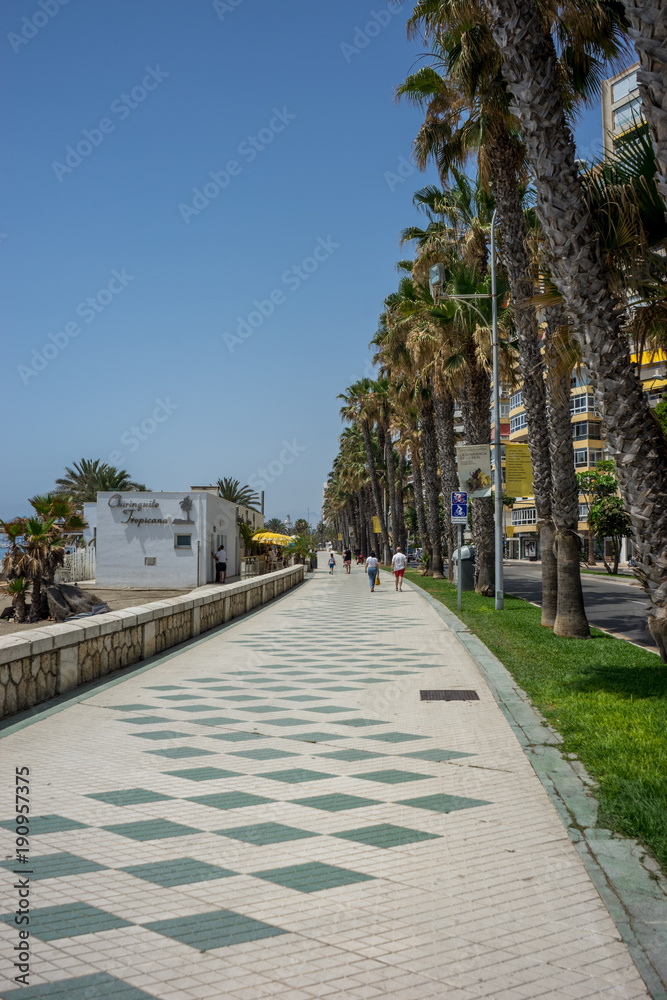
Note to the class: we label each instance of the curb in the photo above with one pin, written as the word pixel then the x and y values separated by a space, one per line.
pixel 630 883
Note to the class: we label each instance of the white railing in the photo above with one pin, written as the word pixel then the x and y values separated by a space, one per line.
pixel 78 565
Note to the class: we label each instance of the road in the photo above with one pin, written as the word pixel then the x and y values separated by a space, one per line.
pixel 617 605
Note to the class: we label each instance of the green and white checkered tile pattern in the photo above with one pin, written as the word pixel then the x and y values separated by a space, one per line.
pixel 273 812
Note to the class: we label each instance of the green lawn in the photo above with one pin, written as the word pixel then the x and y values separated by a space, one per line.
pixel 606 697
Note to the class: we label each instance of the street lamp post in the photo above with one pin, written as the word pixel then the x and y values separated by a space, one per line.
pixel 436 277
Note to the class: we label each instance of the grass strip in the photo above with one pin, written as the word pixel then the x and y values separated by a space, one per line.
pixel 606 697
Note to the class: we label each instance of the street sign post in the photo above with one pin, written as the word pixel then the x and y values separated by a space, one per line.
pixel 459 514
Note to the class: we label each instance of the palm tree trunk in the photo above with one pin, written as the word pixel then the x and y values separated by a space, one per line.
pixel 477 421
pixel 391 485
pixel 633 437
pixel 648 30
pixel 431 484
pixel 375 487
pixel 36 601
pixel 571 618
pixel 399 520
pixel 443 406
pixel 419 497
pixel 504 182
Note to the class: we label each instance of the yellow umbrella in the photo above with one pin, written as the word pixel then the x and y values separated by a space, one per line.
pixel 271 538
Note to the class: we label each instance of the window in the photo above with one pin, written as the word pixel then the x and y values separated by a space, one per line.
pixel 576 381
pixel 504 410
pixel 518 423
pixel 581 456
pixel 516 400
pixel 182 541
pixel 586 428
pixel 583 511
pixel 583 403
pixel 595 456
pixel 628 114
pixel 526 515
pixel 624 87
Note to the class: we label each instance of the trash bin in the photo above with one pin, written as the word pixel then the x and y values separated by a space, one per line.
pixel 467 567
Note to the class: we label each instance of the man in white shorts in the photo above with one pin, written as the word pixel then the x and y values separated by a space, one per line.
pixel 398 564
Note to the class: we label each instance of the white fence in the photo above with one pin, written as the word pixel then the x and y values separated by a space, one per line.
pixel 78 565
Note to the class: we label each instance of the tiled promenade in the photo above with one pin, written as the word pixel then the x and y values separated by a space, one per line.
pixel 273 812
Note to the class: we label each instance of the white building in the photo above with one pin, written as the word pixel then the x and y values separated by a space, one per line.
pixel 164 540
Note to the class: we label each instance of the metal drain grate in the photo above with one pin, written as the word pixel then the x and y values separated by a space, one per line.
pixel 449 696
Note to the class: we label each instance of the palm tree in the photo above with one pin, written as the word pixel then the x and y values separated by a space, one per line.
pixel 530 68
pixel 242 496
pixel 88 477
pixel 276 525
pixel 17 589
pixel 38 541
pixel 12 561
pixel 468 114
pixel 570 619
pixel 360 408
pixel 647 30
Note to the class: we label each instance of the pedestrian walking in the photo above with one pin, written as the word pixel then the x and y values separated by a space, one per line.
pixel 372 568
pixel 398 564
pixel 347 560
pixel 220 564
pixel 332 562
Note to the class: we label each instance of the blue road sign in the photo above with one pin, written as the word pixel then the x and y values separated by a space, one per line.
pixel 459 508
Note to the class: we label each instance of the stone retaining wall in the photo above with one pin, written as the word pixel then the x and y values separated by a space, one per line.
pixel 39 664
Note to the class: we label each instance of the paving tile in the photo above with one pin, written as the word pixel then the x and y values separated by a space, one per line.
pixel 332 709
pixel 316 737
pixel 179 871
pixel 229 800
pixel 218 929
pixel 261 709
pixel 164 687
pixel 443 803
pixel 351 754
pixel 385 835
pixel 99 986
pixel 199 708
pixel 145 720
pixel 296 774
pixel 312 876
pixel 237 737
pixel 40 825
pixel 392 777
pixel 215 720
pixel 394 737
pixel 303 697
pixel 263 753
pixel 57 866
pixel 150 829
pixel 266 833
pixel 68 920
pixel 201 773
pixel 129 796
pixel 337 802
pixel 160 734
pixel 438 755
pixel 176 752
pixel 131 708
pixel 179 697
pixel 242 697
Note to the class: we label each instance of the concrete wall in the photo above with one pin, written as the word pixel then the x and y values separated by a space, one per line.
pixel 39 664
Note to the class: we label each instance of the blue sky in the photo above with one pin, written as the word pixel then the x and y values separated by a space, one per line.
pixel 202 226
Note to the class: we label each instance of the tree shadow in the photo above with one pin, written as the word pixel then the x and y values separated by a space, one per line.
pixel 628 681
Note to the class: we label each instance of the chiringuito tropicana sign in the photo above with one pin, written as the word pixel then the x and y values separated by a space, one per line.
pixel 131 509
